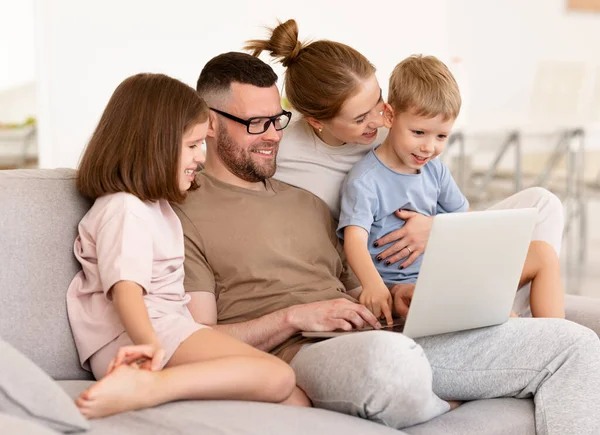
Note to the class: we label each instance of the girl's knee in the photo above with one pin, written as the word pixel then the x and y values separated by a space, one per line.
pixel 281 382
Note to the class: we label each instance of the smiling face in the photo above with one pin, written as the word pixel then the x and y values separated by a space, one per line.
pixel 359 117
pixel 191 155
pixel 249 157
pixel 413 140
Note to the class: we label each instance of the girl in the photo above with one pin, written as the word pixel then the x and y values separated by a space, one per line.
pixel 127 307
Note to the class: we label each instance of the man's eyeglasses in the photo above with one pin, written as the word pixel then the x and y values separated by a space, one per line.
pixel 260 124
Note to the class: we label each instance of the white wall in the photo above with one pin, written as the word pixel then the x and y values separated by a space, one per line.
pixel 511 46
pixel 17 55
pixel 86 48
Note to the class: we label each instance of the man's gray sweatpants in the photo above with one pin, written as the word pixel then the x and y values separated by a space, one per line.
pixel 391 379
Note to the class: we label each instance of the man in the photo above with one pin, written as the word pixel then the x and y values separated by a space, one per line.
pixel 263 261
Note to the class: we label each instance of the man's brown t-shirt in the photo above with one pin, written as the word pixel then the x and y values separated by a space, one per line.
pixel 261 251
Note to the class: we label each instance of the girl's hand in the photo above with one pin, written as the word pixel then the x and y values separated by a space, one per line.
pixel 147 356
pixel 410 240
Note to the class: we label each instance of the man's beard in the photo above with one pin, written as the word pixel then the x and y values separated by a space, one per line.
pixel 240 162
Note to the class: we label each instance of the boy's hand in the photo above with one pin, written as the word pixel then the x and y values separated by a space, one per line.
pixel 379 301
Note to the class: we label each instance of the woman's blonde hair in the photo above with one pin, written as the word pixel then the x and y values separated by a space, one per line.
pixel 320 75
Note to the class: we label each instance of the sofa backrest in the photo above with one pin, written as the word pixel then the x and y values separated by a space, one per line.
pixel 39 213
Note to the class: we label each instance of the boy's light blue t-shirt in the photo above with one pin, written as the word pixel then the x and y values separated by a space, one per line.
pixel 372 192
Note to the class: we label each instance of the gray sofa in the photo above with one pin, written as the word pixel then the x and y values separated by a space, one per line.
pixel 39 213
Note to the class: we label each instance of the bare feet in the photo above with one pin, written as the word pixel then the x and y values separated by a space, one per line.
pixel 454 404
pixel 127 388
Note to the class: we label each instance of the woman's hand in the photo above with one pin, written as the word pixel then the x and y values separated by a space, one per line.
pixel 147 356
pixel 410 240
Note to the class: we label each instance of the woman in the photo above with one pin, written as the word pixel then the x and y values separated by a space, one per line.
pixel 334 89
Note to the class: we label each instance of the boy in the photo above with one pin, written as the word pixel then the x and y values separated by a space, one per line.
pixel 404 173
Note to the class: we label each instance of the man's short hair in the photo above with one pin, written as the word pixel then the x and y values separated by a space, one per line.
pixel 425 85
pixel 222 70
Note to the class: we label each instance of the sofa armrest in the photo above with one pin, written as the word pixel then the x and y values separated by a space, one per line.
pixel 583 310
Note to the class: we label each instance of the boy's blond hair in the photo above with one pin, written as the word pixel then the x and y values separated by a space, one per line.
pixel 425 85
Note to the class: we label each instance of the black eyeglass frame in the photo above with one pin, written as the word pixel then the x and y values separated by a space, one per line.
pixel 247 122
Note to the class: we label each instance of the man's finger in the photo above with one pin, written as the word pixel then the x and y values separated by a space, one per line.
pixel 367 315
pixel 354 318
pixel 341 324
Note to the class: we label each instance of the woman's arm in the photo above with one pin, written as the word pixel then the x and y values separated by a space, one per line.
pixel 375 295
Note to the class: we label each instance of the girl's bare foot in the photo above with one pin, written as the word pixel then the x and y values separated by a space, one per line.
pixel 126 388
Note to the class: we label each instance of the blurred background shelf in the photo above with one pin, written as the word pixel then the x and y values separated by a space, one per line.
pixel 18 147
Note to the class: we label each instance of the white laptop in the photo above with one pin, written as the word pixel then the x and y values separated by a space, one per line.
pixel 469 274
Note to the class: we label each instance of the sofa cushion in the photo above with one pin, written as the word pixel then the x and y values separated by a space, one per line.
pixel 490 417
pixel 38 225
pixel 14 425
pixel 583 310
pixel 29 393
pixel 213 417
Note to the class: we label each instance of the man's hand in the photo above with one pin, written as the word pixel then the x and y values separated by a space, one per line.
pixel 402 295
pixel 410 240
pixel 379 301
pixel 331 315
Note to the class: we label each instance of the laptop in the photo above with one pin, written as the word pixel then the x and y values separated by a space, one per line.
pixel 469 274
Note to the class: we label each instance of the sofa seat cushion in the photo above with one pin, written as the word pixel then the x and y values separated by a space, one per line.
pixel 505 416
pixel 490 417
pixel 15 425
pixel 213 417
